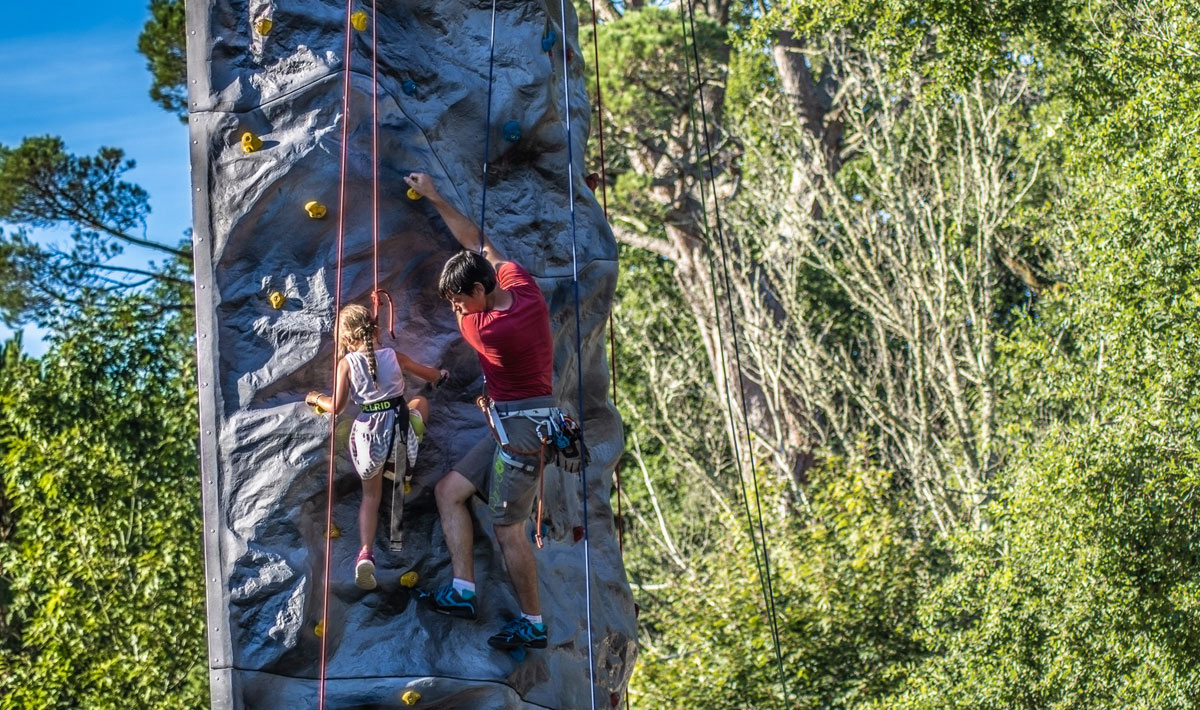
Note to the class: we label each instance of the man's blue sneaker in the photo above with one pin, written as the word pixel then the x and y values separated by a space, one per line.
pixel 519 633
pixel 448 600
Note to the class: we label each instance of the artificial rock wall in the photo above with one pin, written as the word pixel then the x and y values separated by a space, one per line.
pixel 264 454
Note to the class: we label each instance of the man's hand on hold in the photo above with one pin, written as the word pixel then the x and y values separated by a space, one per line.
pixel 422 183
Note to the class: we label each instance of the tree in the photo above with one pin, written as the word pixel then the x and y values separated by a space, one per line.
pixel 163 42
pixel 1084 594
pixel 103 569
pixel 41 186
pixel 850 574
pixel 872 298
pixel 680 159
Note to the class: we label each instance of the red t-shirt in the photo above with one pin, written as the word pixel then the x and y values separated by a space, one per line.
pixel 514 345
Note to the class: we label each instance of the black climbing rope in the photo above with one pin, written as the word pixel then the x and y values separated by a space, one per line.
pixel 762 563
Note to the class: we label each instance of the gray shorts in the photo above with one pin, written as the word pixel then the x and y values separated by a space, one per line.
pixel 509 490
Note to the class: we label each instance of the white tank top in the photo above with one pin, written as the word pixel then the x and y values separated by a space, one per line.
pixel 389 377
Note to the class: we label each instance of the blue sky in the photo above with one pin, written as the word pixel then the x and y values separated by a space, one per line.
pixel 72 69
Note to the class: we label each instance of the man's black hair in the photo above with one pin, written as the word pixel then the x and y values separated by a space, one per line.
pixel 463 270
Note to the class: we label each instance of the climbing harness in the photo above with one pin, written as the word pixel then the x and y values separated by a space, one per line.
pixel 558 435
pixel 764 564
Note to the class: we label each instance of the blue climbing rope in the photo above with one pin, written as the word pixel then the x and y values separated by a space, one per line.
pixel 487 128
pixel 587 559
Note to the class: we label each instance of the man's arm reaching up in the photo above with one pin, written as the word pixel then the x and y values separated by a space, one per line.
pixel 461 226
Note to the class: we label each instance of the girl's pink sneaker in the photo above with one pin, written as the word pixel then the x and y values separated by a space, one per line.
pixel 364 570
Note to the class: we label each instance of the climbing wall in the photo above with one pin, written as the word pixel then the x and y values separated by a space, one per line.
pixel 266 273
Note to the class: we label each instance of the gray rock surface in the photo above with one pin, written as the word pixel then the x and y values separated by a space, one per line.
pixel 264 454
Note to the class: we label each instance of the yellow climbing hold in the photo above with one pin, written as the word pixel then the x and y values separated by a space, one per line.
pixel 409 579
pixel 410 697
pixel 359 20
pixel 334 532
pixel 315 209
pixel 407 487
pixel 318 410
pixel 319 629
pixel 263 26
pixel 250 142
pixel 413 194
pixel 276 299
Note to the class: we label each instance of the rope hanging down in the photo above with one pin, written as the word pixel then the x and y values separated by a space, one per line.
pixel 487 129
pixel 587 560
pixel 612 336
pixel 764 566
pixel 378 296
pixel 337 307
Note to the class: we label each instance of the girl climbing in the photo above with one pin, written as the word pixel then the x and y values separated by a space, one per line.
pixel 380 441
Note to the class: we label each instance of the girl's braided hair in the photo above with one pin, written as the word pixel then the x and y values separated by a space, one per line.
pixel 357 327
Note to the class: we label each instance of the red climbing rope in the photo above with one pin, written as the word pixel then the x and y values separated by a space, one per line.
pixel 337 307
pixel 375 159
pixel 612 333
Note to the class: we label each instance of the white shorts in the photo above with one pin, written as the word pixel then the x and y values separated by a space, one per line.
pixel 373 441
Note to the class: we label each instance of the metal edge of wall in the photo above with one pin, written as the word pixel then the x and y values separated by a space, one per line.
pixel 220 646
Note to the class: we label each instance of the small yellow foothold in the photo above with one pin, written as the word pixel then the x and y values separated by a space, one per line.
pixel 277 299
pixel 263 26
pixel 413 194
pixel 250 142
pixel 319 629
pixel 407 488
pixel 410 697
pixel 409 579
pixel 334 532
pixel 315 209
pixel 359 20
pixel 318 410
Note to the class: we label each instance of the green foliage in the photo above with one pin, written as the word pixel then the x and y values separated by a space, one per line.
pixel 674 418
pixel 649 92
pixel 1083 590
pixel 1084 595
pixel 848 572
pixel 646 67
pixel 41 185
pixel 163 42
pixel 103 567
pixel 44 186
pixel 20 264
pixel 955 40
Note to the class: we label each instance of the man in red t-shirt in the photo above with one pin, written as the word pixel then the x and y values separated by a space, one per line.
pixel 502 314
